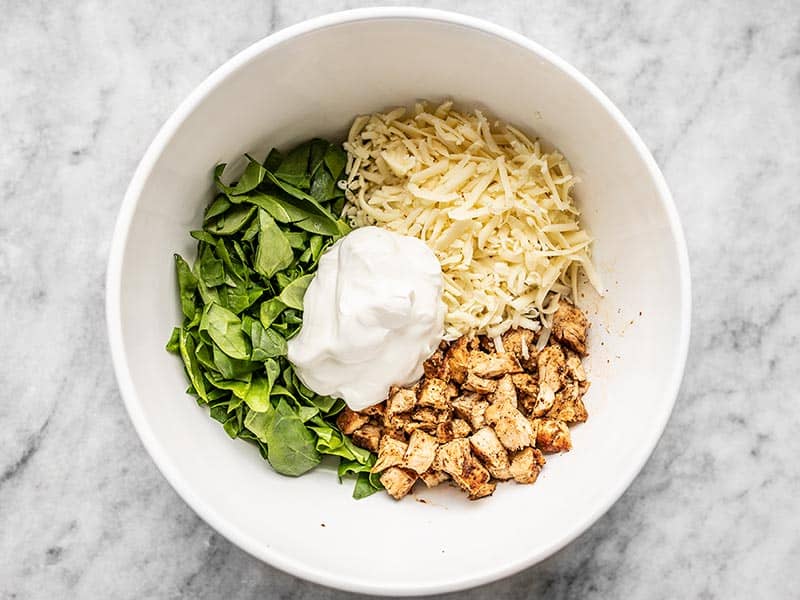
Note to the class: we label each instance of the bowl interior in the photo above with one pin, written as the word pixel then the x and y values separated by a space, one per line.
pixel 312 82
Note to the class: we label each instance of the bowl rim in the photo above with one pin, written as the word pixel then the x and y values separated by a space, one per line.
pixel 114 280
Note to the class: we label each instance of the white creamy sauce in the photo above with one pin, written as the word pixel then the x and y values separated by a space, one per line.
pixel 372 315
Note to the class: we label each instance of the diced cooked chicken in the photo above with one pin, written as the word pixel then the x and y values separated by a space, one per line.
pixel 482 490
pixel 488 448
pixel 425 415
pixel 433 366
pixel 456 359
pixel 552 365
pixel 568 405
pixel 460 428
pixel 520 343
pixel 421 452
pixel 376 410
pixel 514 430
pixel 491 366
pixel 569 326
pixel 434 393
pixel 526 465
pixel 472 409
pixel 505 395
pixel 401 400
pixel 367 437
pixel 452 429
pixel 348 421
pixel 525 383
pixel 398 481
pixel 552 435
pixel 479 384
pixel 433 478
pixel 456 458
pixel 426 426
pixel 575 366
pixel 390 454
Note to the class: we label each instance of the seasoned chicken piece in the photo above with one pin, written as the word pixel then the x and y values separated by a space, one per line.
pixel 455 361
pixel 526 465
pixel 471 408
pixel 569 326
pixel 400 400
pixel 398 481
pixel 395 422
pixel 505 394
pixel 527 391
pixel 488 448
pixel 568 405
pixel 456 458
pixel 552 366
pixel 460 428
pixel 433 365
pixel 390 454
pixel 434 393
pixel 426 426
pixel 479 384
pixel 514 430
pixel 482 490
pixel 425 415
pixel 444 432
pixel 492 366
pixel 376 410
pixel 433 478
pixel 552 435
pixel 520 343
pixel 367 437
pixel 575 366
pixel 525 384
pixel 348 421
pixel 421 452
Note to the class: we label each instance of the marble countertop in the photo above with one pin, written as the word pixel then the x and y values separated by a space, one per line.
pixel 714 90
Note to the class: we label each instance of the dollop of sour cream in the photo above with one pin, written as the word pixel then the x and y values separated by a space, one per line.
pixel 372 315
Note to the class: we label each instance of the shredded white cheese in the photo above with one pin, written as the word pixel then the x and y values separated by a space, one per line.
pixel 493 206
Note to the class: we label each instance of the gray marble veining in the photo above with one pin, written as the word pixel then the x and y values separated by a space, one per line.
pixel 714 89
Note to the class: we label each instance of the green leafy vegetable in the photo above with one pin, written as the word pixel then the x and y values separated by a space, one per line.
pixel 242 299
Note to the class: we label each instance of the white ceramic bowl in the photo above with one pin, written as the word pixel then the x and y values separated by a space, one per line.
pixel 310 80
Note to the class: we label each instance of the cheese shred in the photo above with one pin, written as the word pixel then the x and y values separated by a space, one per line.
pixel 495 208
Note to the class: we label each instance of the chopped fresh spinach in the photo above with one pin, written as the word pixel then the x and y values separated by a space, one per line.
pixel 242 299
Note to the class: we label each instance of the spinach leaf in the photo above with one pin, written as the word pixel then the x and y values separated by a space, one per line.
pixel 232 221
pixel 174 344
pixel 187 348
pixel 225 328
pixel 274 252
pixel 292 295
pixel 270 310
pixel 335 160
pixel 291 445
pixel 294 168
pixel 187 286
pixel 266 343
pixel 216 208
pixel 252 176
pixel 317 155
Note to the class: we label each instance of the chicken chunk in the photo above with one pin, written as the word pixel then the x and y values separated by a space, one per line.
pixel 456 360
pixel 552 435
pixel 575 366
pixel 434 393
pixel 492 366
pixel 390 454
pixel 367 437
pixel 348 421
pixel 514 430
pixel 398 481
pixel 488 448
pixel 569 326
pixel 526 465
pixel 376 410
pixel 525 383
pixel 552 365
pixel 505 393
pixel 432 478
pixel 460 428
pixel 568 405
pixel 472 409
pixel 521 344
pixel 456 458
pixel 479 384
pixel 433 365
pixel 401 400
pixel 482 490
pixel 421 452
